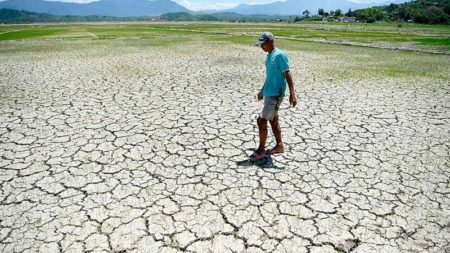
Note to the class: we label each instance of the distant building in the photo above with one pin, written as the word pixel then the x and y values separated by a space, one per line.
pixel 348 19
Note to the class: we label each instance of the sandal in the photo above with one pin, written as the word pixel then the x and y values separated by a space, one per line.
pixel 273 151
pixel 257 155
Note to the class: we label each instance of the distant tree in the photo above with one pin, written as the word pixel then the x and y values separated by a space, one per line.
pixel 446 7
pixel 392 8
pixel 431 15
pixel 350 13
pixel 338 13
pixel 370 15
pixel 306 13
pixel 321 12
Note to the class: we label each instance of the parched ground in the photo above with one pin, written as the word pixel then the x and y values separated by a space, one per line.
pixel 113 148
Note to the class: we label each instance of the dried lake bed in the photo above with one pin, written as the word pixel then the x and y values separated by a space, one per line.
pixel 137 145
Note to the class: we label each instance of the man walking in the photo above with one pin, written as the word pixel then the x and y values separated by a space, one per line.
pixel 273 92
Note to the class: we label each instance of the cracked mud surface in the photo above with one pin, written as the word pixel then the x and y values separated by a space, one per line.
pixel 139 151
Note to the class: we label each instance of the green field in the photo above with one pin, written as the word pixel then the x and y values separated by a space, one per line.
pixel 414 36
pixel 350 48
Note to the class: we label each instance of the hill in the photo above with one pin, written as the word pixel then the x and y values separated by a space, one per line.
pixel 296 7
pixel 117 8
pixel 184 16
pixel 9 16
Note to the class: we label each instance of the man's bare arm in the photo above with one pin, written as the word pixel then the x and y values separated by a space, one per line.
pixel 292 97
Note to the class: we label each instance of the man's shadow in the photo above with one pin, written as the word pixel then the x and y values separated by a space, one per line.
pixel 265 163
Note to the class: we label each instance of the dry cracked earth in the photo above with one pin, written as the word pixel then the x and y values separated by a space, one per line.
pixel 131 150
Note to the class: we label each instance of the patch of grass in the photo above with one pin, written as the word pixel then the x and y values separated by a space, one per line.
pixel 342 61
pixel 444 42
pixel 29 33
pixel 138 31
pixel 353 62
pixel 349 62
pixel 421 35
pixel 244 40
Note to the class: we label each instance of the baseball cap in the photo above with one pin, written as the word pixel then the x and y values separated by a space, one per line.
pixel 263 37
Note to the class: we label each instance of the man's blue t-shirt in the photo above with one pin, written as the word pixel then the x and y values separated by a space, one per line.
pixel 276 64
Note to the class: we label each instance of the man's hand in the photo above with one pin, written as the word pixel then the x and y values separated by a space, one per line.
pixel 292 100
pixel 259 96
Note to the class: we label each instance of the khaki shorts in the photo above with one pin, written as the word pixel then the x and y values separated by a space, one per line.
pixel 271 107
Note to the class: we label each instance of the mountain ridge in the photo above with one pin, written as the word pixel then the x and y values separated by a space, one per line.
pixel 117 8
pixel 296 7
pixel 136 8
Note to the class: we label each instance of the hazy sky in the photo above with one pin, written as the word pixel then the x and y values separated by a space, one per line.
pixel 218 4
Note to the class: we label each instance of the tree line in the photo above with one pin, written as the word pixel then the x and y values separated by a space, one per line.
pixel 418 11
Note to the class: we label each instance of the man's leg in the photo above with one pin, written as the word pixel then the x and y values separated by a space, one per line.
pixel 262 126
pixel 274 123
